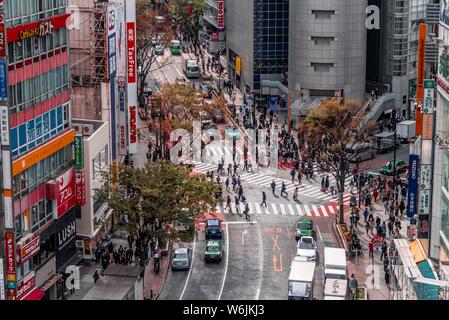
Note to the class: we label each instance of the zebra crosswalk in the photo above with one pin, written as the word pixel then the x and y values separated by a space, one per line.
pixel 306 189
pixel 282 209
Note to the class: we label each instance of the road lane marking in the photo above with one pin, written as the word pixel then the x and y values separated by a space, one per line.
pixel 315 211
pixel 284 213
pixel 331 209
pixel 319 233
pixel 226 266
pixel 301 213
pixel 309 214
pixel 275 243
pixel 190 270
pixel 275 210
pixel 258 208
pixel 290 208
pixel 324 211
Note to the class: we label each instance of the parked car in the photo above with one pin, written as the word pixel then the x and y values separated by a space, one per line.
pixel 181 259
pixel 181 80
pixel 306 249
pixel 218 116
pixel 304 228
pixel 205 118
pixel 388 169
pixel 213 229
pixel 214 251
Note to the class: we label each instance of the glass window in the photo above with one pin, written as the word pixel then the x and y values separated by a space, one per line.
pixel 11 52
pixel 18 50
pixel 34 216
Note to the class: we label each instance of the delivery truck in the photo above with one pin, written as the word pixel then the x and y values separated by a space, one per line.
pixel 406 130
pixel 191 68
pixel 300 280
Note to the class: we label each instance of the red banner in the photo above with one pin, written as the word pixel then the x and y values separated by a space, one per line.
pixel 37 29
pixel 66 195
pixel 28 284
pixel 2 36
pixel 10 256
pixel 220 14
pixel 131 38
pixel 80 178
pixel 28 250
pixel 132 124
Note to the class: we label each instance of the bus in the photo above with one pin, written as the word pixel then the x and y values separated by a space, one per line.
pixel 361 151
pixel 175 47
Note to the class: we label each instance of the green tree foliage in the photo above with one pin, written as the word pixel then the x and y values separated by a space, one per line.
pixel 159 192
pixel 186 18
pixel 329 130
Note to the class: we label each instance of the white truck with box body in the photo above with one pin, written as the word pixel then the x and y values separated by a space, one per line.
pixel 406 130
pixel 334 264
pixel 191 68
pixel 300 280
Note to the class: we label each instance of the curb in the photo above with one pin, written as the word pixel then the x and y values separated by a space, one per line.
pixel 166 273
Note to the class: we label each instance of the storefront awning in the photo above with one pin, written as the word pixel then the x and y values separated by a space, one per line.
pixel 50 282
pixel 36 294
pixel 418 254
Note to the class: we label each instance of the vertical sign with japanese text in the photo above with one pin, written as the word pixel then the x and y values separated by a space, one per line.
pixel 413 185
pixel 2 36
pixel 3 80
pixel 80 181
pixel 221 15
pixel 121 89
pixel 131 74
pixel 132 125
pixel 79 152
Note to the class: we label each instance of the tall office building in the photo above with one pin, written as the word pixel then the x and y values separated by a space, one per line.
pixel 393 49
pixel 327 48
pixel 38 186
pixel 257 41
pixel 214 24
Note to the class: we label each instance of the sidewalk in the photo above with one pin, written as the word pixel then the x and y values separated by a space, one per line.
pixel 365 269
pixel 154 282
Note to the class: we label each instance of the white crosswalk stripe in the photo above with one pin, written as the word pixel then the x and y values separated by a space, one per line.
pixel 315 210
pixel 324 211
pixel 275 210
pixel 298 207
pixel 284 213
pixel 290 209
pixel 309 214
pixel 258 208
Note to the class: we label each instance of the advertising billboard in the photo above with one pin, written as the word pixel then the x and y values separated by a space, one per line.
pixel 38 130
pixel 66 195
pixel 121 90
pixel 79 152
pixel 80 183
pixel 27 284
pixel 413 185
pixel 28 250
pixel 2 281
pixel 132 125
pixel 4 125
pixel 3 80
pixel 132 71
pixel 112 70
pixel 444 13
pixel 221 14
pixel 2 36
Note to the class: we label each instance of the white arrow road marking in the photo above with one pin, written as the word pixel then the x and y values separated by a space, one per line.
pixel 190 270
pixel 227 263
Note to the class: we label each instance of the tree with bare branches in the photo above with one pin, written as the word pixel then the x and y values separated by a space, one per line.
pixel 154 34
pixel 330 130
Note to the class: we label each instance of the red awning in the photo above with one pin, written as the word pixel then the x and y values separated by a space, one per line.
pixel 36 294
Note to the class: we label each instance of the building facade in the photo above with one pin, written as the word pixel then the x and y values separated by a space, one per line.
pixel 257 42
pixel 37 158
pixel 439 239
pixel 327 48
pixel 215 26
pixel 393 49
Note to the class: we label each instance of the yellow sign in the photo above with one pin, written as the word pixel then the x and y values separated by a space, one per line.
pixel 238 64
pixel 43 152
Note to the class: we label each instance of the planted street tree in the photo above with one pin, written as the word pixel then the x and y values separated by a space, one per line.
pixel 158 197
pixel 330 130
pixel 187 15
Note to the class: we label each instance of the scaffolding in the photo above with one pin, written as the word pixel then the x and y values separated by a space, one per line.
pixel 88 45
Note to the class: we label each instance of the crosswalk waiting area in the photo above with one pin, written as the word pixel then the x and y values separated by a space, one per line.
pixel 306 189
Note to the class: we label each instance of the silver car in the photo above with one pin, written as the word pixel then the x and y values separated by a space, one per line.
pixel 306 249
pixel 181 259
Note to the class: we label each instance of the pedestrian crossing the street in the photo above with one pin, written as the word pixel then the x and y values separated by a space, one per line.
pixel 282 209
pixel 306 189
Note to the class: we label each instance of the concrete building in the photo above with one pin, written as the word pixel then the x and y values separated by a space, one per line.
pixel 439 238
pixel 94 219
pixel 257 42
pixel 215 25
pixel 36 136
pixel 327 48
pixel 393 49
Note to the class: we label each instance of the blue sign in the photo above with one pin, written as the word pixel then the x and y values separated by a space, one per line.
pixel 112 61
pixel 42 128
pixel 413 177
pixel 3 80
